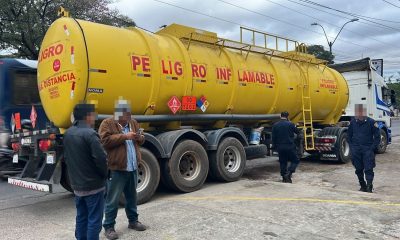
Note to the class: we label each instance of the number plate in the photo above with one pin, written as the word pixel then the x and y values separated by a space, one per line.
pixel 26 141
pixel 15 158
pixel 50 158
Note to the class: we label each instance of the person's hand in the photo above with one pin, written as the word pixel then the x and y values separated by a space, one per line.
pixel 131 135
pixel 138 136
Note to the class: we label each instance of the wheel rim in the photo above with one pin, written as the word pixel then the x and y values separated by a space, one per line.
pixel 189 166
pixel 143 176
pixel 345 148
pixel 232 159
pixel 382 144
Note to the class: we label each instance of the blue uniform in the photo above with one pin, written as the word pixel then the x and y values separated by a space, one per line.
pixel 283 140
pixel 363 137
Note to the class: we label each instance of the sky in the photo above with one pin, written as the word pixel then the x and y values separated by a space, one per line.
pixel 376 34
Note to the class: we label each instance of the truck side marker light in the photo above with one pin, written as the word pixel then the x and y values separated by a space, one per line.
pixel 143 75
pixel 66 30
pixel 97 70
pixel 72 55
pixel 172 78
pixel 72 90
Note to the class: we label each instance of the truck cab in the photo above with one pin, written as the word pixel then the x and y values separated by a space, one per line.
pixel 367 86
pixel 18 93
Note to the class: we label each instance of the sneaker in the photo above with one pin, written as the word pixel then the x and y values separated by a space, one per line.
pixel 138 226
pixel 110 234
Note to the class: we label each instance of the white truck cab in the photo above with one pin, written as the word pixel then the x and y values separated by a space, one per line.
pixel 367 86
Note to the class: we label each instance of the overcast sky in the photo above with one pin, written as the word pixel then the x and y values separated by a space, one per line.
pixel 375 35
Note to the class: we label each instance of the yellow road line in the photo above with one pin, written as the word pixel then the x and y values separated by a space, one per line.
pixel 312 200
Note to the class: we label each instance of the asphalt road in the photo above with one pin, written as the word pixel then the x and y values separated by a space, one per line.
pixel 395 126
pixel 322 203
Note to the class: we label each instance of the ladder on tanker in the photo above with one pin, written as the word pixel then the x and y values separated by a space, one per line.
pixel 308 129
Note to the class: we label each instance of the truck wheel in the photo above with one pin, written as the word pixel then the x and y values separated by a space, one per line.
pixel 148 177
pixel 228 162
pixel 343 149
pixel 187 168
pixel 383 144
pixel 64 180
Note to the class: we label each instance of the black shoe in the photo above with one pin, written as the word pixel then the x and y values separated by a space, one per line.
pixel 363 186
pixel 138 226
pixel 288 177
pixel 370 187
pixel 110 234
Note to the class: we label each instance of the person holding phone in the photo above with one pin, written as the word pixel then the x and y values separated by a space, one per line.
pixel 121 137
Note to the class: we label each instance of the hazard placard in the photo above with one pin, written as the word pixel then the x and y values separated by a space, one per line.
pixel 17 117
pixel 189 103
pixel 174 104
pixel 33 116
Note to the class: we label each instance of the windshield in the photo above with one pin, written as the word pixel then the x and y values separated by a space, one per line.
pixel 24 86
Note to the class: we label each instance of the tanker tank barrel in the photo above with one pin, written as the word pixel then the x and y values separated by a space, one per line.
pixel 190 75
pixel 201 117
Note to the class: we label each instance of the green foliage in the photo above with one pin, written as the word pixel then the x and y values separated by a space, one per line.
pixel 393 82
pixel 319 52
pixel 23 23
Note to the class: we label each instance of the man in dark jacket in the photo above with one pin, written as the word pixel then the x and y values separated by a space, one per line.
pixel 363 137
pixel 121 138
pixel 283 141
pixel 87 169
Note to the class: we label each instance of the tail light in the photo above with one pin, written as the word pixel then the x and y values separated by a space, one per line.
pixel 44 145
pixel 327 140
pixel 16 146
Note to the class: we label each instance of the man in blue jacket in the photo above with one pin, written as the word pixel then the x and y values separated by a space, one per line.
pixel 363 137
pixel 283 141
pixel 87 170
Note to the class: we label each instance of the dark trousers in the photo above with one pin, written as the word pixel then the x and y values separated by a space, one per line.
pixel 288 154
pixel 118 183
pixel 89 216
pixel 363 159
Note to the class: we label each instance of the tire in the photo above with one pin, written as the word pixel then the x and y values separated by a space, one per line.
pixel 227 163
pixel 383 144
pixel 187 168
pixel 148 177
pixel 64 180
pixel 343 149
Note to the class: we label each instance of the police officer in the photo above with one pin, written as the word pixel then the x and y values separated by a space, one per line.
pixel 363 137
pixel 283 141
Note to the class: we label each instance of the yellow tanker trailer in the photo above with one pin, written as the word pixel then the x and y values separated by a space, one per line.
pixel 199 97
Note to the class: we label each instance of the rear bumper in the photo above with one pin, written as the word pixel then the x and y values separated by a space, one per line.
pixel 42 186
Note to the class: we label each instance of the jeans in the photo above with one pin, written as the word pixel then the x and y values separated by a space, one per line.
pixel 89 216
pixel 288 154
pixel 118 183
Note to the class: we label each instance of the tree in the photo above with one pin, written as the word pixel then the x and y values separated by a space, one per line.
pixel 23 23
pixel 319 52
pixel 393 83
